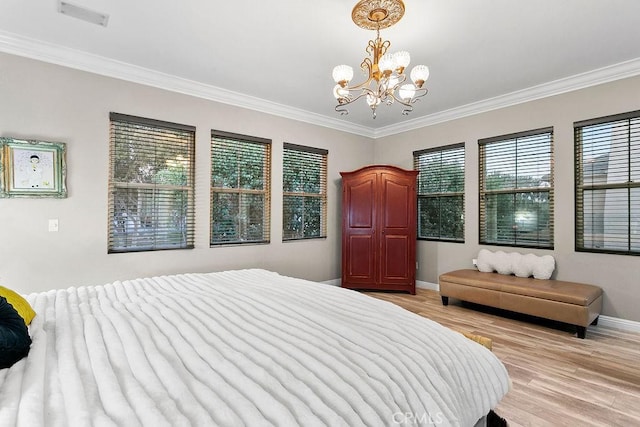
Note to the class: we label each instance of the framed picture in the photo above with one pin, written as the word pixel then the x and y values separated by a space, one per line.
pixel 32 168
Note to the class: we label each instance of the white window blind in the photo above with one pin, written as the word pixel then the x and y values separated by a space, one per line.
pixel 516 189
pixel 608 184
pixel 151 185
pixel 440 192
pixel 240 188
pixel 304 186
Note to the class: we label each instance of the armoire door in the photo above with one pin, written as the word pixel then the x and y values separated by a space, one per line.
pixel 397 229
pixel 359 230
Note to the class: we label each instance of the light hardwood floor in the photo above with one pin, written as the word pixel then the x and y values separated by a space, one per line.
pixel 558 379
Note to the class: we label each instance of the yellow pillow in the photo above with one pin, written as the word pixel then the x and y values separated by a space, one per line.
pixel 20 304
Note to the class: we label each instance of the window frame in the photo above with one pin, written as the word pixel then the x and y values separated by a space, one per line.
pixel 438 195
pixel 123 120
pixel 322 195
pixel 266 191
pixel 482 192
pixel 580 186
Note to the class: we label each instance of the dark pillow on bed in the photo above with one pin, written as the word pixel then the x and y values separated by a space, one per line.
pixel 14 335
pixel 18 302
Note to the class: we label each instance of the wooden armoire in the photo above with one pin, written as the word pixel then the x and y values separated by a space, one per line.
pixel 379 228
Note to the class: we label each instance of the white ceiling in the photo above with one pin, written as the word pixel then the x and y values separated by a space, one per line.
pixel 482 54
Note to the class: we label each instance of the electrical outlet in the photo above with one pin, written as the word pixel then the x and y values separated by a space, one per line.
pixel 475 263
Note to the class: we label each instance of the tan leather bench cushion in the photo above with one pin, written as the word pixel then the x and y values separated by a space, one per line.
pixel 554 290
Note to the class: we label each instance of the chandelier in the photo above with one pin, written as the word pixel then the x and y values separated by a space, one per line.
pixel 386 79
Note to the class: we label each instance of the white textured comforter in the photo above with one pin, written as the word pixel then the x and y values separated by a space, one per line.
pixel 245 347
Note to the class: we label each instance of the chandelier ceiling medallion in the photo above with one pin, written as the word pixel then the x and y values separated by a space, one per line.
pixel 385 72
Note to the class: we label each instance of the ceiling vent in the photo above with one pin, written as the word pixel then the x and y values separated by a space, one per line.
pixel 83 13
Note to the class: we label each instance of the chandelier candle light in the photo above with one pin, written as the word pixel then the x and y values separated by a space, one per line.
pixel 385 71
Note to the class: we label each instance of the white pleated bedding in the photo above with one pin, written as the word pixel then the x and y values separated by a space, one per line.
pixel 247 347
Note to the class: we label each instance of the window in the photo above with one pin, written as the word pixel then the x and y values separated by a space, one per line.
pixel 608 184
pixel 440 192
pixel 151 184
pixel 240 189
pixel 516 189
pixel 304 187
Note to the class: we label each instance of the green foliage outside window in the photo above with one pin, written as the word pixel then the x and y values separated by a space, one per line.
pixel 304 184
pixel 441 193
pixel 240 182
pixel 151 185
pixel 516 189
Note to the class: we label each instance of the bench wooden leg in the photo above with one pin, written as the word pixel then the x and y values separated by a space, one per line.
pixel 582 331
pixel 595 322
pixel 445 300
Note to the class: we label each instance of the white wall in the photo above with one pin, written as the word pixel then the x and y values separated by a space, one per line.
pixel 53 103
pixel 616 274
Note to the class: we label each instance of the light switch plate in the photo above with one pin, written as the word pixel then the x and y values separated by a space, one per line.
pixel 53 224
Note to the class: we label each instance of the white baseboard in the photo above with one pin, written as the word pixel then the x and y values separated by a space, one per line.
pixel 427 285
pixel 616 323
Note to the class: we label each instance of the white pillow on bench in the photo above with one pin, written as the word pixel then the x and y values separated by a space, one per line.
pixel 540 267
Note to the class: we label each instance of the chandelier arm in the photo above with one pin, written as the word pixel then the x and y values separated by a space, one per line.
pixel 366 67
pixel 362 85
pixel 419 94
pixel 371 48
pixel 407 105
pixel 384 82
pixel 340 109
pixel 342 101
pixel 385 92
pixel 384 46
pixel 365 91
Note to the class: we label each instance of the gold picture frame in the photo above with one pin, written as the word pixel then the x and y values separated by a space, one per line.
pixel 30 168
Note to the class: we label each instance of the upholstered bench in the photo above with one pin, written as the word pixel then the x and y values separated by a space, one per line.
pixel 574 303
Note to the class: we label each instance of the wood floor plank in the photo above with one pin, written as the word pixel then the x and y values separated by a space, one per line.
pixel 628 404
pixel 557 378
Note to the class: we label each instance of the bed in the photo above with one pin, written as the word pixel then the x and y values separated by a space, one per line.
pixel 246 347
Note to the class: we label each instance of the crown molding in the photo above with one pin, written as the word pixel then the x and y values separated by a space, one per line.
pixel 579 81
pixel 48 52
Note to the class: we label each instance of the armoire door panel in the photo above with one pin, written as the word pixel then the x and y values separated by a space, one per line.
pixel 361 257
pixel 395 199
pixel 361 200
pixel 394 266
